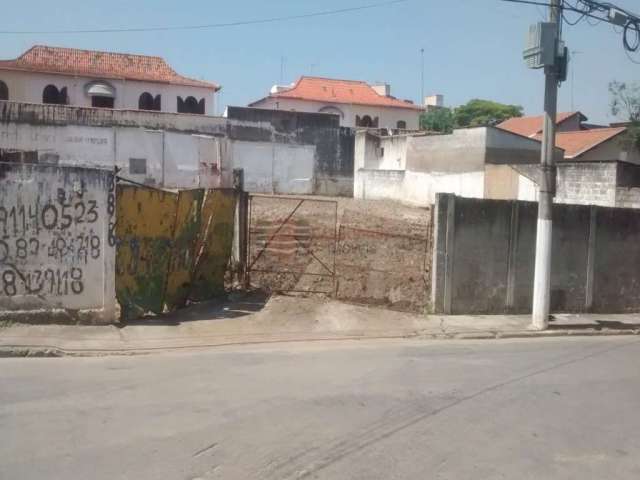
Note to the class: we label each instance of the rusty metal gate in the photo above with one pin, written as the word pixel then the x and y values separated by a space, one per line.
pixel 292 244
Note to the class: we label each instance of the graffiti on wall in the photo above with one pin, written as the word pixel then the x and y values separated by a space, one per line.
pixel 171 247
pixel 54 236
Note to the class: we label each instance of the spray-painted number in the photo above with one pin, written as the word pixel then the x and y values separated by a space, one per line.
pixel 20 220
pixel 47 282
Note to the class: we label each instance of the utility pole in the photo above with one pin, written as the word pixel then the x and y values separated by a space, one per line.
pixel 542 278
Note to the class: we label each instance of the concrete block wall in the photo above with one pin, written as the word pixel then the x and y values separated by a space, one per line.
pixel 587 183
pixel 484 254
pixel 628 197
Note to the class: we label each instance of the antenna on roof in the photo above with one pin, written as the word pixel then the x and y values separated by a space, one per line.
pixel 283 60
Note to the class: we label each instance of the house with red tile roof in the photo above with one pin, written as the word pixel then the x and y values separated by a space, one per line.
pixel 357 103
pixel 87 78
pixel 599 167
pixel 532 126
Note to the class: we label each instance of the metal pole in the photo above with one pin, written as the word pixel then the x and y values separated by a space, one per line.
pixel 542 279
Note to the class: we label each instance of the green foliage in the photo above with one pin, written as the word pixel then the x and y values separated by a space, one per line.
pixel 478 113
pixel 625 102
pixel 437 120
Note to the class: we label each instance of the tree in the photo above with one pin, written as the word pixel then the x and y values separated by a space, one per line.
pixel 479 113
pixel 625 102
pixel 437 120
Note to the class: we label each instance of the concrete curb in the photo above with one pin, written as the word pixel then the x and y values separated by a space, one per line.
pixel 18 351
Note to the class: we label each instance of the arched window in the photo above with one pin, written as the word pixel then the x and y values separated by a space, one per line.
pixel 102 94
pixel 401 125
pixel 53 96
pixel 191 105
pixel 4 91
pixel 157 103
pixel 366 122
pixel 145 102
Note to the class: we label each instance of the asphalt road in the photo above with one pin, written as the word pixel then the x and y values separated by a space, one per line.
pixel 528 409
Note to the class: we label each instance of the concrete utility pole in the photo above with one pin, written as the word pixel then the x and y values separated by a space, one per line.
pixel 542 279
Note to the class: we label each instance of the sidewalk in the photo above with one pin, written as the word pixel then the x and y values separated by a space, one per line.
pixel 253 319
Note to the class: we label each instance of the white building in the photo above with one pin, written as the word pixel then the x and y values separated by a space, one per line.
pixel 357 103
pixel 481 162
pixel 85 78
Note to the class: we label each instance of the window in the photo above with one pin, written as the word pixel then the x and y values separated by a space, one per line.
pixel 138 166
pixel 147 102
pixel 191 105
pixel 365 121
pixel 4 91
pixel 401 125
pixel 99 101
pixel 53 96
pixel 628 175
pixel 102 94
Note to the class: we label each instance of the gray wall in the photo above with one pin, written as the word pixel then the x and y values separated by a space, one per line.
pixel 54 130
pixel 334 145
pixel 484 250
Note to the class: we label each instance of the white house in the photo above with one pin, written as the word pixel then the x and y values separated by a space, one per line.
pixel 357 103
pixel 481 162
pixel 86 78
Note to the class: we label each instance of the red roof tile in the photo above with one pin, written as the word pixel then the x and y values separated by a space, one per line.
pixel 340 91
pixel 530 126
pixel 576 143
pixel 89 63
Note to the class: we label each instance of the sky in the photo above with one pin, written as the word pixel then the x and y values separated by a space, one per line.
pixel 472 48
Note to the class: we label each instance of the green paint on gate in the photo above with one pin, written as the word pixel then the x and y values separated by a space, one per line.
pixel 183 255
pixel 145 221
pixel 171 247
pixel 216 239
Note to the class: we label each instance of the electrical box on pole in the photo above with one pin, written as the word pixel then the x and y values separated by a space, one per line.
pixel 542 44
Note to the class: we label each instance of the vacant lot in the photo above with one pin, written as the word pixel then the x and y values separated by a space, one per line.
pixel 379 250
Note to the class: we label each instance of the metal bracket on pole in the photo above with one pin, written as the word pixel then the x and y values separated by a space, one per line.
pixel 548 175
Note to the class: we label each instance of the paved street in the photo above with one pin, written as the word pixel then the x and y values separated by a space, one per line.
pixel 534 409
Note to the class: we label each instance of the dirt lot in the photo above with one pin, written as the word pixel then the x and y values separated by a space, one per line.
pixel 379 250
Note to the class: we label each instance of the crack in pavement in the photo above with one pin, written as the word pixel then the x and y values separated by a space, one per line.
pixel 337 452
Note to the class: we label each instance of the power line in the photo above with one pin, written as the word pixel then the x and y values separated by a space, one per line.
pixel 322 13
pixel 607 12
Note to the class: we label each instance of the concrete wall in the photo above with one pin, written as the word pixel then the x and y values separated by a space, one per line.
pixel 275 168
pixel 587 183
pixel 28 87
pixel 483 259
pixel 474 163
pixel 57 255
pixel 388 117
pixel 416 188
pixel 173 159
pixel 187 151
pixel 332 145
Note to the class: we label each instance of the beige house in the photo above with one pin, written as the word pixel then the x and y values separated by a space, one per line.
pixel 86 78
pixel 357 103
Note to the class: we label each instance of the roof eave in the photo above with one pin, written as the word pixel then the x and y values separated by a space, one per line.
pixel 291 97
pixel 186 83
